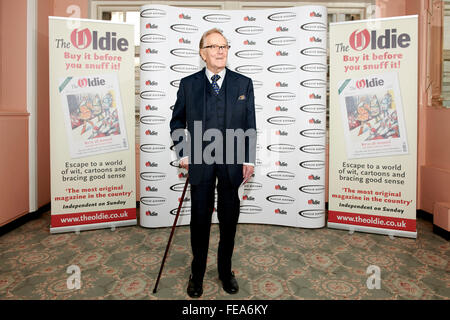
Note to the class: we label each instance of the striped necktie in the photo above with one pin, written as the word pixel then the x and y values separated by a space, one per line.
pixel 214 84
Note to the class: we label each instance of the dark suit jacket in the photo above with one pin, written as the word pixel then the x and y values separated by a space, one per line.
pixel 240 114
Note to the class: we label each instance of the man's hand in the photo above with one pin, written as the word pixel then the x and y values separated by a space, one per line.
pixel 247 171
pixel 184 163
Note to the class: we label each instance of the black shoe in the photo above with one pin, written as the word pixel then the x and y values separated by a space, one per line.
pixel 230 284
pixel 195 288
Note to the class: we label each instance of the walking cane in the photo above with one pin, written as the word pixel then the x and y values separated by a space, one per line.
pixel 171 234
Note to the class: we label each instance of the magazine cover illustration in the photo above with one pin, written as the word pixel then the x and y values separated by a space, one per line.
pixel 373 117
pixel 93 115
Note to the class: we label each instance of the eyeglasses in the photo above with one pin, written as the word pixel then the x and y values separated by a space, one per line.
pixel 216 47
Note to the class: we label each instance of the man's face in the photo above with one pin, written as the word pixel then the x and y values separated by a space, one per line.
pixel 216 59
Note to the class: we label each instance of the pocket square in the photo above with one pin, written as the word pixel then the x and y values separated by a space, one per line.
pixel 241 97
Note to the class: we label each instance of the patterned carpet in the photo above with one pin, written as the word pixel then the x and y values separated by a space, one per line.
pixel 270 262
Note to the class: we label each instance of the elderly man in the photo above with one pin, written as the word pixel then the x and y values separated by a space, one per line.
pixel 219 99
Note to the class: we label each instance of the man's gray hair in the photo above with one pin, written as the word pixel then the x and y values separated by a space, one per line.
pixel 207 33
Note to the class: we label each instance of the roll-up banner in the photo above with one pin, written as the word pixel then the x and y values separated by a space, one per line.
pixel 92 136
pixel 284 52
pixel 373 126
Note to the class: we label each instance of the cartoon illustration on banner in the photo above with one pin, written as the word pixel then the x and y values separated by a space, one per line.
pixel 372 108
pixel 93 115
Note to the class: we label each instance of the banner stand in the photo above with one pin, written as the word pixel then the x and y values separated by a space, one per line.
pixel 92 136
pixel 373 126
pixel 387 232
pixel 284 52
pixel 95 226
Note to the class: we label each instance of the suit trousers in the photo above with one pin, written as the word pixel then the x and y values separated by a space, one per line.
pixel 202 206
